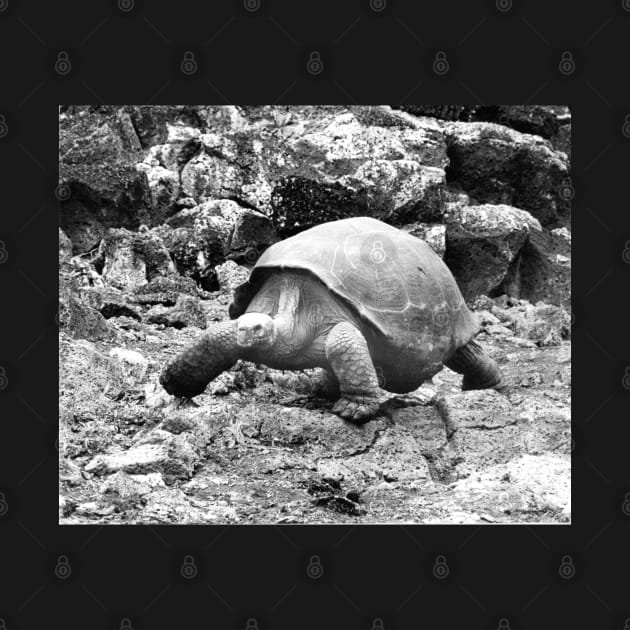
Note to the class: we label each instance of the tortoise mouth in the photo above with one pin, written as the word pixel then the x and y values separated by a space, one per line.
pixel 249 339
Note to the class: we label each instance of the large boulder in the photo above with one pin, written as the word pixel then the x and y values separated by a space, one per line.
pixel 98 153
pixel 498 165
pixel 374 161
pixel 481 243
pixel 542 269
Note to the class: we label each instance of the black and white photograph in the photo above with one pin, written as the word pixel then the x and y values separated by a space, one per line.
pixel 326 314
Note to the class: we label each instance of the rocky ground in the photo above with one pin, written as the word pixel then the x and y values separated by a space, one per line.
pixel 165 209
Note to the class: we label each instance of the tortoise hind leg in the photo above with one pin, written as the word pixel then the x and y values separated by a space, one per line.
pixel 479 370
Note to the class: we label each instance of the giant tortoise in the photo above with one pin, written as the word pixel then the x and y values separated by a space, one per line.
pixel 371 304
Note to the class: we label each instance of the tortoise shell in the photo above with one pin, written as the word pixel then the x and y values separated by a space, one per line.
pixel 397 284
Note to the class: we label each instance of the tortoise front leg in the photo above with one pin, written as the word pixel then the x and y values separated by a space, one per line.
pixel 189 373
pixel 349 357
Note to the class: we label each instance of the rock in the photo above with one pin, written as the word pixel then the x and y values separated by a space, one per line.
pixel 181 144
pixel 171 455
pixel 152 122
pixel 98 152
pixel 253 233
pixel 200 427
pixel 230 275
pixel 384 116
pixel 134 364
pixel 497 165
pixel 69 471
pixel 126 486
pixel 83 272
pixel 542 270
pixel 132 259
pixel 499 330
pixel 163 185
pixel 199 238
pixel 165 290
pixel 433 233
pixel 299 203
pixel 338 159
pixel 79 320
pixel 211 176
pixel 174 506
pixel 219 216
pixel 187 311
pixel 185 202
pixel 138 459
pixel 155 396
pixel 486 318
pixel 544 324
pixel 481 243
pixel 243 376
pixel 542 120
pixel 110 303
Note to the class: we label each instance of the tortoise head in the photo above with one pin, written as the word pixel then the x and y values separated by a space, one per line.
pixel 255 330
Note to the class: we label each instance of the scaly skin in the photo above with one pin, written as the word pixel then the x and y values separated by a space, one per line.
pixel 349 357
pixel 189 373
pixel 479 370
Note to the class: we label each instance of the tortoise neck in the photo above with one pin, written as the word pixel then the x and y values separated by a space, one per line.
pixel 286 318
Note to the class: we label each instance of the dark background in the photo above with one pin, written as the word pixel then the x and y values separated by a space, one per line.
pixel 499 577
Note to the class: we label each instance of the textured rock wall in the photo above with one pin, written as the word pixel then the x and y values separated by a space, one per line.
pixel 173 191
